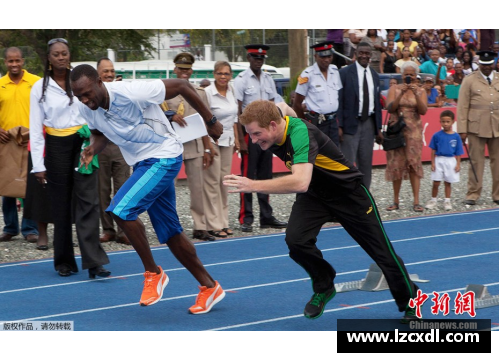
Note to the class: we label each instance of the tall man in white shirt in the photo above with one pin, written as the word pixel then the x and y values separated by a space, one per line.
pixel 256 164
pixel 360 112
pixel 129 115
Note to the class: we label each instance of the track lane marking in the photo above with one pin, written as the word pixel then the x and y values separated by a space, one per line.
pixel 247 287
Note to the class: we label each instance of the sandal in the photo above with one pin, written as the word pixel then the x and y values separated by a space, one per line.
pixel 218 233
pixel 418 208
pixel 42 247
pixel 393 207
pixel 228 231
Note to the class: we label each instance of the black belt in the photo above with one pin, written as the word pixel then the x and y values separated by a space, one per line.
pixel 370 115
pixel 327 116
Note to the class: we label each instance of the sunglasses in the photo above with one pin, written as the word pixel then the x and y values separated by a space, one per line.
pixel 57 40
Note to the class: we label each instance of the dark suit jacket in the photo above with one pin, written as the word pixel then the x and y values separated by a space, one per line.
pixel 347 113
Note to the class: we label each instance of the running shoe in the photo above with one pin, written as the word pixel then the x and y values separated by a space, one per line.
pixel 431 204
pixel 410 315
pixel 315 307
pixel 153 287
pixel 207 298
pixel 447 205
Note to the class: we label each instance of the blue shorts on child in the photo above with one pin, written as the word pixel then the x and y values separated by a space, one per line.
pixel 151 188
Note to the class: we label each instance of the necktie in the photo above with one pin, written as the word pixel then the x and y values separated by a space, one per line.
pixel 366 99
pixel 489 80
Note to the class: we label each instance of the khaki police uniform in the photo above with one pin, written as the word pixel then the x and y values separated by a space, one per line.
pixel 193 161
pixel 193 150
pixel 477 115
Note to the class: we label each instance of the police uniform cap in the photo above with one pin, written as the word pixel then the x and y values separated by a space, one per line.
pixel 257 50
pixel 486 57
pixel 323 49
pixel 184 60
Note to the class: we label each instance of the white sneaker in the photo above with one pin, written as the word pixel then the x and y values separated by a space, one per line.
pixel 447 205
pixel 431 204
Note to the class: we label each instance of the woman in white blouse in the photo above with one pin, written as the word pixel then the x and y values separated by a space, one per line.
pixel 224 106
pixel 55 165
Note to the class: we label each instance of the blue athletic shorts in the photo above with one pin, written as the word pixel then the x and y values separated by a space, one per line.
pixel 151 188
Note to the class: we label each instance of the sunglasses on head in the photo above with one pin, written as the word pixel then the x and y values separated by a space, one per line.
pixel 57 40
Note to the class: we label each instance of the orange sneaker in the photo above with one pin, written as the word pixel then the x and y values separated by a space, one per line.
pixel 207 298
pixel 153 287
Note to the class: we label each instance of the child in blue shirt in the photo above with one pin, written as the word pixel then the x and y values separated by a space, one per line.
pixel 446 148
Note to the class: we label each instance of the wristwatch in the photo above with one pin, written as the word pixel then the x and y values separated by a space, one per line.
pixel 207 150
pixel 212 120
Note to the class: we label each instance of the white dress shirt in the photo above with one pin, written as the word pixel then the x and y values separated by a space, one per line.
pixel 55 111
pixel 226 111
pixel 369 79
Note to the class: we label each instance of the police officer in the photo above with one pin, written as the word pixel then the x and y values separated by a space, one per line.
pixel 477 121
pixel 198 153
pixel 256 164
pixel 319 86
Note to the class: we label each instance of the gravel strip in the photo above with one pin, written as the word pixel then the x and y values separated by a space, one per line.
pixel 18 249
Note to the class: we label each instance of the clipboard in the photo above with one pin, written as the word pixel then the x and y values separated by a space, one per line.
pixel 195 128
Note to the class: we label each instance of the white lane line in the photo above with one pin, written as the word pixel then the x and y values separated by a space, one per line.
pixel 253 287
pixel 232 262
pixel 259 237
pixel 455 233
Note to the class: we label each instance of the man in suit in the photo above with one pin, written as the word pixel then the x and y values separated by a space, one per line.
pixel 360 112
pixel 477 121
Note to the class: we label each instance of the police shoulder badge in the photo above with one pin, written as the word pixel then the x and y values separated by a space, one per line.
pixel 303 80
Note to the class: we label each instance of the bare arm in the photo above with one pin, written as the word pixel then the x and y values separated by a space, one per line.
pixel 240 135
pixel 457 167
pixel 433 160
pixel 4 136
pixel 297 105
pixel 393 100
pixel 97 144
pixel 421 102
pixel 382 60
pixel 208 157
pixel 174 87
pixel 286 109
pixel 297 182
pixel 236 138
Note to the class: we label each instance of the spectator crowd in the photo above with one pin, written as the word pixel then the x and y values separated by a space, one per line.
pixel 437 62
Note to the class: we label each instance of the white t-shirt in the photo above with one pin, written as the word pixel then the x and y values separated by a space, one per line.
pixel 135 122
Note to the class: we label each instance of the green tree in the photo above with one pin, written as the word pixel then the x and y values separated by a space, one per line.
pixel 232 42
pixel 84 44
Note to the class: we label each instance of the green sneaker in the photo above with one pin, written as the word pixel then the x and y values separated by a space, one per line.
pixel 410 315
pixel 315 307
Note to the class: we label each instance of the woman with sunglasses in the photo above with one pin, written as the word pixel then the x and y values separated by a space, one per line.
pixel 72 193
pixel 224 106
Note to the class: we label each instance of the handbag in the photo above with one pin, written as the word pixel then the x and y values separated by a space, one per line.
pixel 14 163
pixel 393 136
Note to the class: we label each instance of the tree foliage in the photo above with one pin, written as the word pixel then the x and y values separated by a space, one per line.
pixel 84 44
pixel 232 42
